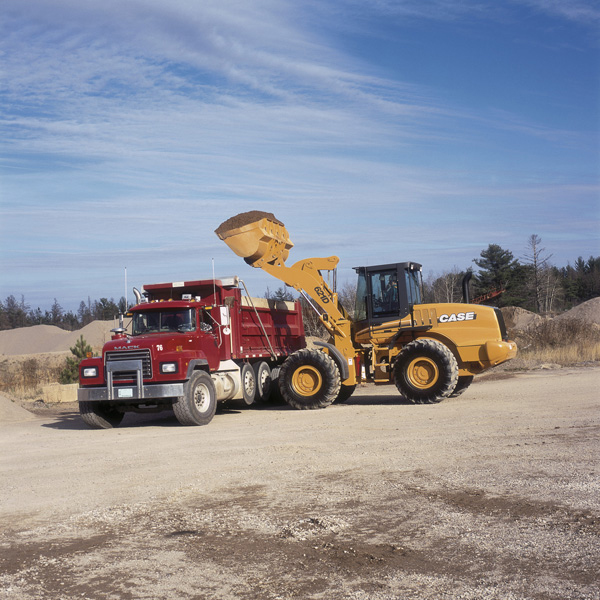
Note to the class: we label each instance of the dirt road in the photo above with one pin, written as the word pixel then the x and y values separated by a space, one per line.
pixel 491 495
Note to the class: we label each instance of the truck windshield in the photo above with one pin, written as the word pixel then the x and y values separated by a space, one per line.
pixel 157 321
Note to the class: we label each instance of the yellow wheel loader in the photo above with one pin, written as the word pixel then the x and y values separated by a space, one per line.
pixel 429 351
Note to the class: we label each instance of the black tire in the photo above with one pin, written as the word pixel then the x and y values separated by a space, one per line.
pixel 198 404
pixel 309 379
pixel 262 375
pixel 425 371
pixel 248 384
pixel 276 397
pixel 463 383
pixel 345 392
pixel 100 415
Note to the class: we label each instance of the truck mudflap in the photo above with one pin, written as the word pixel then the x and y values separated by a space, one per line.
pixel 130 393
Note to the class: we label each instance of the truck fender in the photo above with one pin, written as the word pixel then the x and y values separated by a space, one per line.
pixel 338 357
pixel 197 363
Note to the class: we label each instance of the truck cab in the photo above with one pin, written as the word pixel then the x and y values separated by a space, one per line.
pixel 386 292
pixel 183 332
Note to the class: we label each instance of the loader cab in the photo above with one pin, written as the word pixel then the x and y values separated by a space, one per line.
pixel 387 292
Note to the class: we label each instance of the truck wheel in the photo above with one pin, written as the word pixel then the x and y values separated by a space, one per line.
pixel 463 383
pixel 345 392
pixel 198 404
pixel 309 379
pixel 248 384
pixel 425 371
pixel 262 375
pixel 100 415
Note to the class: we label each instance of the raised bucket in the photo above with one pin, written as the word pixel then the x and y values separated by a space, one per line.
pixel 256 236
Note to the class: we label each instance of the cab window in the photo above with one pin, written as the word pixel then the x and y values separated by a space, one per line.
pixel 384 289
pixel 159 321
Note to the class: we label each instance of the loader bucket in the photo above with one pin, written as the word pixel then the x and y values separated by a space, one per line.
pixel 257 237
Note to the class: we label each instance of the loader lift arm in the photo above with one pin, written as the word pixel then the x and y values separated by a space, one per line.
pixel 264 243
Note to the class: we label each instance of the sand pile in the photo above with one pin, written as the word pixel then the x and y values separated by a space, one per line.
pixel 11 412
pixel 48 338
pixel 588 312
pixel 518 318
pixel 244 219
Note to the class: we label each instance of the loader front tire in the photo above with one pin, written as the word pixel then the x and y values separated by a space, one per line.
pixel 100 415
pixel 309 379
pixel 198 404
pixel 425 371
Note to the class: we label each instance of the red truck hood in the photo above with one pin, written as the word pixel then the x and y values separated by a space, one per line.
pixel 146 340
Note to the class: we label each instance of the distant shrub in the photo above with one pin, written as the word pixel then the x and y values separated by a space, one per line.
pixel 561 341
pixel 70 373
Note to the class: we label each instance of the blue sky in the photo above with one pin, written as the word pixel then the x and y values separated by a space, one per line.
pixel 376 130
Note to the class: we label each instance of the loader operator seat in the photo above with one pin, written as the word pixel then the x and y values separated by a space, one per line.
pixel 391 295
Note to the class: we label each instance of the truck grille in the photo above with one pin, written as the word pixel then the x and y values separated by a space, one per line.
pixel 143 355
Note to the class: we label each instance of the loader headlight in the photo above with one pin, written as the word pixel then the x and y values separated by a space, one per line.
pixel 169 367
pixel 89 372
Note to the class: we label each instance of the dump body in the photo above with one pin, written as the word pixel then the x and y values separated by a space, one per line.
pixel 183 327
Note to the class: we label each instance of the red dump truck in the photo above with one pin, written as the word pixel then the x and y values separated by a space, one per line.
pixel 191 344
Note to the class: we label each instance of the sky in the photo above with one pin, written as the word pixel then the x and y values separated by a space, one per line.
pixel 378 131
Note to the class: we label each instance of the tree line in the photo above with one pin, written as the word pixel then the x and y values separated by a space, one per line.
pixel 500 279
pixel 17 313
pixel 531 282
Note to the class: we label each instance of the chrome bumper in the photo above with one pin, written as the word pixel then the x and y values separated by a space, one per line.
pixel 130 393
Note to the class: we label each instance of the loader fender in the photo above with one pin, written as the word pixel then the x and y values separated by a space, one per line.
pixel 338 357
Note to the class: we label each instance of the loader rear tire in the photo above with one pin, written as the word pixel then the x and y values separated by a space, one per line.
pixel 425 371
pixel 345 392
pixel 199 403
pixel 309 379
pixel 99 415
pixel 463 383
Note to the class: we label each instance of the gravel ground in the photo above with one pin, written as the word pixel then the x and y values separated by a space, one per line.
pixel 491 495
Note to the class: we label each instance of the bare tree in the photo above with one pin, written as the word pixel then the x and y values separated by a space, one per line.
pixel 541 271
pixel 347 297
pixel 445 287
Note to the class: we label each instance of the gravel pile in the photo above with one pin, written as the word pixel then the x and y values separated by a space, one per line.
pixel 48 338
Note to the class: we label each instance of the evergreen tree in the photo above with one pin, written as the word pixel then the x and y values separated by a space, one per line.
pixel 281 293
pixel 56 313
pixel 105 309
pixel 498 270
pixel 16 312
pixel 70 374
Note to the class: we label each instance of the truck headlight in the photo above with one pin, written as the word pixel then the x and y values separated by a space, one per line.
pixel 169 367
pixel 89 372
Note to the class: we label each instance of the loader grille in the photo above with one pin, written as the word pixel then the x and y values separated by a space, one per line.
pixel 143 355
